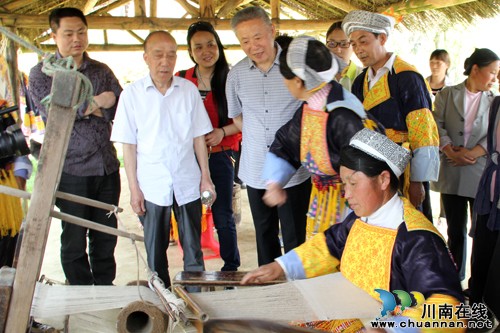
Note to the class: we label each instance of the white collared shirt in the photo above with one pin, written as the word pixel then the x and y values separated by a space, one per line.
pixel 373 78
pixel 390 215
pixel 163 127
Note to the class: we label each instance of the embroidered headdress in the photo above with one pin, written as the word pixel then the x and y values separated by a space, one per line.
pixel 367 21
pixel 382 148
pixel 296 60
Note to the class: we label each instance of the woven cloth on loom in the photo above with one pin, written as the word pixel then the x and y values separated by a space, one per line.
pixel 323 298
pixel 57 300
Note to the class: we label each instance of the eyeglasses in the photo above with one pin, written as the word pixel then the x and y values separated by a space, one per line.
pixel 343 44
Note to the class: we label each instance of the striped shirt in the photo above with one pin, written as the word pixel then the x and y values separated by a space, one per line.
pixel 266 105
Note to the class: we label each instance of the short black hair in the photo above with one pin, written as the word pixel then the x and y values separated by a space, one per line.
pixel 59 13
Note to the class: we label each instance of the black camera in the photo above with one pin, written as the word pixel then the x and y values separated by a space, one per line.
pixel 12 141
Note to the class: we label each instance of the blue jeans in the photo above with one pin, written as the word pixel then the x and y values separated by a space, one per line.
pixel 222 174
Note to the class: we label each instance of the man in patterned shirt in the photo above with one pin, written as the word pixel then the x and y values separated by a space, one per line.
pixel 260 104
pixel 91 168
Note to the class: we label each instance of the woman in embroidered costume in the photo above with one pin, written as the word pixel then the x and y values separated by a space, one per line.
pixel 384 243
pixel 316 134
pixel 209 75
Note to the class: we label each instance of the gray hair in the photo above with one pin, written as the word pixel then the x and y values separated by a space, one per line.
pixel 250 13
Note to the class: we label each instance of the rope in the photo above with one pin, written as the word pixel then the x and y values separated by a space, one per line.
pixel 51 65
pixel 9 34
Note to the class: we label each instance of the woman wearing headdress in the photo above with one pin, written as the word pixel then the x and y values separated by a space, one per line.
pixel 461 114
pixel 209 74
pixel 385 243
pixel 316 134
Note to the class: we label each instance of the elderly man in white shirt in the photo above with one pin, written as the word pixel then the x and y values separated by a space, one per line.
pixel 161 122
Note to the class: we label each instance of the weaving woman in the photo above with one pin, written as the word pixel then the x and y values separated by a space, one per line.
pixel 385 243
pixel 316 134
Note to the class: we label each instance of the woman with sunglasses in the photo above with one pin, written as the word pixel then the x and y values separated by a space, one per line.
pixel 209 75
pixel 338 43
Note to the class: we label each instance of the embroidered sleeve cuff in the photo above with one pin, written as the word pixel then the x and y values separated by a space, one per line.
pixel 277 170
pixel 292 266
pixel 425 164
pixel 23 167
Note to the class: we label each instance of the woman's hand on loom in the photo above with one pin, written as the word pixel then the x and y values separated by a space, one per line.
pixel 265 273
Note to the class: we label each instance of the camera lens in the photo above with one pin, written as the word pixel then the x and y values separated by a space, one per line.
pixel 13 143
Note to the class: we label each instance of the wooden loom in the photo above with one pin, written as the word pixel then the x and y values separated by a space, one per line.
pixel 17 286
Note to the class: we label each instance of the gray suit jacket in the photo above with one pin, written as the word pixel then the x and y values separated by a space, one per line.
pixel 449 115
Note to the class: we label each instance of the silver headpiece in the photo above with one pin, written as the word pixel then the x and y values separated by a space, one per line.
pixel 296 60
pixel 382 148
pixel 367 21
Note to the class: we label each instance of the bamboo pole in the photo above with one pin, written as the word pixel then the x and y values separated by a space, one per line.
pixel 62 195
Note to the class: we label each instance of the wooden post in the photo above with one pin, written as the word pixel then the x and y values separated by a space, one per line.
pixel 65 94
pixel 11 57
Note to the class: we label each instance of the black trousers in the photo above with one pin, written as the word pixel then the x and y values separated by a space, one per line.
pixel 291 215
pixel 156 224
pixel 7 250
pixel 455 208
pixel 485 272
pixel 99 266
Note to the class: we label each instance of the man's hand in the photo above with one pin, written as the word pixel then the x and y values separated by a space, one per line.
pixel 104 100
pixel 265 273
pixel 417 193
pixel 275 195
pixel 137 201
pixel 207 185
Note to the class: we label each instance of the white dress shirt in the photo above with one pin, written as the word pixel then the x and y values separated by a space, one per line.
pixel 163 127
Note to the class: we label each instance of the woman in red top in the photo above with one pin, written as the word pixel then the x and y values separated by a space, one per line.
pixel 209 74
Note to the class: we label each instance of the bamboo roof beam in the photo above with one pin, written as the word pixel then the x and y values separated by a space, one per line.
pixel 139 8
pixel 148 23
pixel 190 9
pixel 343 5
pixel 228 6
pixel 123 47
pixel 415 6
pixel 89 6
pixel 15 5
pixel 110 7
pixel 136 36
pixel 206 9
pixel 153 8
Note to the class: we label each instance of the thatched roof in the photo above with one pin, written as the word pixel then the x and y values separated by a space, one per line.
pixel 29 17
